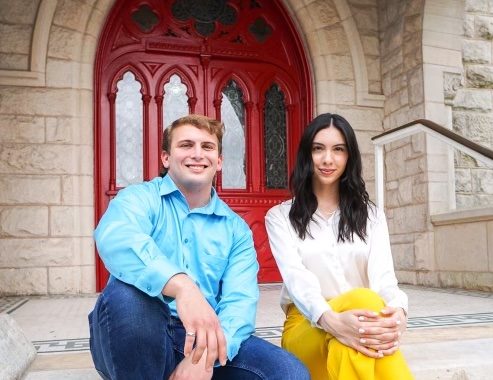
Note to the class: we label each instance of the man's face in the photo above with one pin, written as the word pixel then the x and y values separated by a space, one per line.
pixel 193 158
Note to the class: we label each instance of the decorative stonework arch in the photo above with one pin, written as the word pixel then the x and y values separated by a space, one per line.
pixel 35 76
pixel 362 95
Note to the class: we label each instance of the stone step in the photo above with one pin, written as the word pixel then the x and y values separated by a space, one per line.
pixel 450 353
pixel 470 359
pixel 455 353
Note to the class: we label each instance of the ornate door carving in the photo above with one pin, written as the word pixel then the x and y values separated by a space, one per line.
pixel 240 61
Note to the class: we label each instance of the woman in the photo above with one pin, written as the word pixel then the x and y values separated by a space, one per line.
pixel 344 311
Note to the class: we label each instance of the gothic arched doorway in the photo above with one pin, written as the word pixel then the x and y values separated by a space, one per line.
pixel 240 61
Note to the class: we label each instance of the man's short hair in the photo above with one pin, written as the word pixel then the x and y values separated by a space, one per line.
pixel 214 127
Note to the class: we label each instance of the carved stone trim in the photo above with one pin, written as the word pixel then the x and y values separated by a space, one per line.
pixel 452 82
pixel 35 76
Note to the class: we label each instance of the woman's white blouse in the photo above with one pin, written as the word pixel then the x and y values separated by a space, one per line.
pixel 319 268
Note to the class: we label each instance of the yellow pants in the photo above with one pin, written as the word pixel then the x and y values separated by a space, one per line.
pixel 328 359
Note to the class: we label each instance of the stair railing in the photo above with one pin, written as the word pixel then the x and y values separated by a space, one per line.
pixel 451 138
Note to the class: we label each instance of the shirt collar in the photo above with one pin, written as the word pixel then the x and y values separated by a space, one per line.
pixel 215 206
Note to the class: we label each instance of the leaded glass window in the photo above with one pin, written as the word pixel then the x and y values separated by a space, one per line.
pixel 233 117
pixel 206 14
pixel 129 131
pixel 260 30
pixel 145 18
pixel 276 172
pixel 175 102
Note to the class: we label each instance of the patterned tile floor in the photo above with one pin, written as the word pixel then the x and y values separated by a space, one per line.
pixel 58 324
pixel 450 332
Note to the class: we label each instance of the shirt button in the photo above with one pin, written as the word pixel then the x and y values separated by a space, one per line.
pixel 149 288
pixel 120 274
pixel 186 241
pixel 186 266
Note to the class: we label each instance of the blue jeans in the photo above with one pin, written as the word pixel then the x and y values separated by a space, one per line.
pixel 133 336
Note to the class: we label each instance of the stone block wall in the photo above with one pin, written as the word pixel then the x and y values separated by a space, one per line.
pixel 472 104
pixel 46 146
pixel 406 191
pixel 16 28
pixel 423 176
pixel 365 13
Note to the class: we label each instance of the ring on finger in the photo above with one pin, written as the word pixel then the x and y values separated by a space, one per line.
pixel 189 333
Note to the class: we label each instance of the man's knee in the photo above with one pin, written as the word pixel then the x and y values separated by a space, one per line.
pixel 128 332
pixel 126 313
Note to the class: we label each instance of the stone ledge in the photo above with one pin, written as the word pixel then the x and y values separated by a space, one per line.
pixel 463 216
pixel 16 351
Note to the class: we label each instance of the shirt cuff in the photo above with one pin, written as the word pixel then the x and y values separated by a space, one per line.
pixel 233 346
pixel 155 276
pixel 400 305
pixel 317 313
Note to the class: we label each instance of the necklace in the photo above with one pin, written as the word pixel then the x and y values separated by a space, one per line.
pixel 328 214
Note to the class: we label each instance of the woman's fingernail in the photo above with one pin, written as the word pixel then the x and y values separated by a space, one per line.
pixel 361 318
pixel 396 343
pixel 362 340
pixel 398 322
pixel 361 331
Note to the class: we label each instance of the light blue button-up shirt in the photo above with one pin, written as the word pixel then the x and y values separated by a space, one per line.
pixel 148 234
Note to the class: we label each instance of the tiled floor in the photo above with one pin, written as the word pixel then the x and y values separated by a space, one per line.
pixel 447 327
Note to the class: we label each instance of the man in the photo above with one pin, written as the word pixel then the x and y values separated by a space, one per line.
pixel 181 300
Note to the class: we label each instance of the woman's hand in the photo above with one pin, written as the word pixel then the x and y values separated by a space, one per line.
pixel 384 336
pixel 346 327
pixel 372 334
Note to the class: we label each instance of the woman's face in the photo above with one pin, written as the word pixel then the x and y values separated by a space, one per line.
pixel 330 156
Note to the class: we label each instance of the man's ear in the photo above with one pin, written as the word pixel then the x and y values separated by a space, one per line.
pixel 219 163
pixel 165 159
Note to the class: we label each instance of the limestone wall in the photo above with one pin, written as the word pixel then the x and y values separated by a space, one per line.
pixel 16 28
pixel 406 193
pixel 472 104
pixel 46 145
pixel 425 75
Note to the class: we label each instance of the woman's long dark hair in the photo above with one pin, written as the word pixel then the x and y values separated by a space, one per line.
pixel 353 197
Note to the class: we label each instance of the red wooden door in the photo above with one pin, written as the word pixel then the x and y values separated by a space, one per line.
pixel 239 61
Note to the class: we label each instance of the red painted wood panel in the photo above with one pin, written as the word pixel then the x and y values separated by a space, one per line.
pixel 253 42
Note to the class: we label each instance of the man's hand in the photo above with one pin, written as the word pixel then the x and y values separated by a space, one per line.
pixel 200 321
pixel 187 370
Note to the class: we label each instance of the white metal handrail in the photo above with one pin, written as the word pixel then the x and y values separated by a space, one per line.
pixel 453 139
